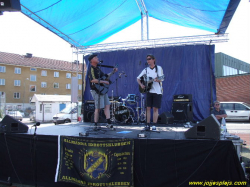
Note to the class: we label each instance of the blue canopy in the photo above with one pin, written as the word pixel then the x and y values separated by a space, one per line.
pixel 88 22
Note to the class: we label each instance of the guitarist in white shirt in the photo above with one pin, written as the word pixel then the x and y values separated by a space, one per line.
pixel 94 74
pixel 154 93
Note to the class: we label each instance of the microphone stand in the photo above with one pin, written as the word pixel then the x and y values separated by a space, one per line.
pixel 99 97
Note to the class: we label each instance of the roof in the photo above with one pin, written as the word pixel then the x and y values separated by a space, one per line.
pixel 51 98
pixel 37 62
pixel 89 22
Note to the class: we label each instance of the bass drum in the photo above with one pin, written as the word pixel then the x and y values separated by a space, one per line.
pixel 123 113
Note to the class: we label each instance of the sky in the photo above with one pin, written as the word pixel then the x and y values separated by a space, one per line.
pixel 20 35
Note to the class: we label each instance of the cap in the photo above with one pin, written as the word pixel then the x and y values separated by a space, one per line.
pixel 92 56
pixel 152 56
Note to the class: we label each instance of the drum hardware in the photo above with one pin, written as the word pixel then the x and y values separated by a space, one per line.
pixel 112 108
pixel 142 116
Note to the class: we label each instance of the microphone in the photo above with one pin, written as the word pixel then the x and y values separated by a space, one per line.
pixel 140 63
pixel 101 61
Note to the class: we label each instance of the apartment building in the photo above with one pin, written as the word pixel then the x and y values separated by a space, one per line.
pixel 22 76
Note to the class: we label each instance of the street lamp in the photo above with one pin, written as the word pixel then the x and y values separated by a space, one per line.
pixel 24 92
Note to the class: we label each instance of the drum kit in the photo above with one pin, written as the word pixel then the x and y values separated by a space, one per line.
pixel 120 112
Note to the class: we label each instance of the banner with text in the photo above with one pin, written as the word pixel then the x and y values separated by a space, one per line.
pixel 95 162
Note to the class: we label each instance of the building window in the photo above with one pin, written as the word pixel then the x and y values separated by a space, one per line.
pixel 44 73
pixel 33 78
pixel 2 94
pixel 43 84
pixel 67 86
pixel 2 81
pixel 79 87
pixel 17 70
pixel 32 88
pixel 17 83
pixel 32 69
pixel 79 76
pixel 68 75
pixel 2 69
pixel 16 95
pixel 56 85
pixel 56 74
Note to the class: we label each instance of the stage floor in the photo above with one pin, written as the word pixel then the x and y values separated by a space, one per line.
pixel 163 131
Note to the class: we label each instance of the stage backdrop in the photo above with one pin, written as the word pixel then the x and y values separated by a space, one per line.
pixel 186 70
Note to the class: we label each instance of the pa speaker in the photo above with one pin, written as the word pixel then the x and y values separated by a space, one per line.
pixel 89 109
pixel 182 111
pixel 11 125
pixel 165 118
pixel 10 5
pixel 209 128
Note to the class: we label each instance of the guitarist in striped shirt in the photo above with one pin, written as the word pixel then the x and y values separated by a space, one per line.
pixel 154 91
pixel 101 98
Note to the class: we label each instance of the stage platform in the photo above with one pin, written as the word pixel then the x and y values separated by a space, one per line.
pixel 171 131
pixel 163 158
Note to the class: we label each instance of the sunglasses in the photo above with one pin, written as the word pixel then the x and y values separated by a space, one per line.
pixel 149 58
pixel 217 104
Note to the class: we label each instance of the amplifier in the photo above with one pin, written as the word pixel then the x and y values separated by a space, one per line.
pixel 89 109
pixel 183 98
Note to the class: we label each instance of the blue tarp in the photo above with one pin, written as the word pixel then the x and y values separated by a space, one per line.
pixel 186 70
pixel 88 22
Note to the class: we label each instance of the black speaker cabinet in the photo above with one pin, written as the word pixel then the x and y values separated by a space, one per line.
pixel 208 128
pixel 182 111
pixel 89 109
pixel 11 125
pixel 10 5
pixel 165 118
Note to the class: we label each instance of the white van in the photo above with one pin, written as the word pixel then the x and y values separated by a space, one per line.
pixel 66 115
pixel 236 111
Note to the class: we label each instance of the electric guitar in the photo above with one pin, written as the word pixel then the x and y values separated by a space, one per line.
pixel 104 88
pixel 148 83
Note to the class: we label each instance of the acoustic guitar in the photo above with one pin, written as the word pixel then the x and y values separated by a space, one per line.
pixel 148 83
pixel 104 88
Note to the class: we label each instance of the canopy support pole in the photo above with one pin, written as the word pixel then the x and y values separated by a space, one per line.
pixel 144 19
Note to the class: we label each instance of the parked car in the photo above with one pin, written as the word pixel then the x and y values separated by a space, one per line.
pixel 32 116
pixel 236 111
pixel 66 115
pixel 15 114
pixel 22 113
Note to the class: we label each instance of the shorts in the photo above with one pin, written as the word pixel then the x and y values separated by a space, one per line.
pixel 153 100
pixel 104 99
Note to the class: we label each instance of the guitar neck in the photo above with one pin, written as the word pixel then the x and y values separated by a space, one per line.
pixel 110 74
